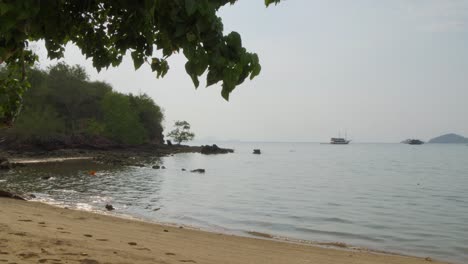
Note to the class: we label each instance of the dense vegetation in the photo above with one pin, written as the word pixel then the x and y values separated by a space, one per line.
pixel 106 30
pixel 64 107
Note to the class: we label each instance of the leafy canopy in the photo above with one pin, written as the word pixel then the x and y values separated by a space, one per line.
pixel 181 132
pixel 105 30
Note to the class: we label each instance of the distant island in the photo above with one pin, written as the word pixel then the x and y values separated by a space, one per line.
pixel 449 139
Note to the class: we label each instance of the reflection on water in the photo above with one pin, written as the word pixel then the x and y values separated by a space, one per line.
pixel 393 197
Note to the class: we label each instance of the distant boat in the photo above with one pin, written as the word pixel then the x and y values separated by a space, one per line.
pixel 413 142
pixel 339 141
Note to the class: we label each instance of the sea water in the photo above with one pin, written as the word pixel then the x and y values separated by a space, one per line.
pixel 390 197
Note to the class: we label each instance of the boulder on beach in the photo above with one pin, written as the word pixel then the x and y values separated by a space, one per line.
pixel 109 207
pixel 156 167
pixel 257 151
pixel 198 171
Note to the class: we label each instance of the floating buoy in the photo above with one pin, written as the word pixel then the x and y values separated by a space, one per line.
pixel 92 173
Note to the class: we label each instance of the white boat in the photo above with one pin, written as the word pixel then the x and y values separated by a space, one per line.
pixel 339 141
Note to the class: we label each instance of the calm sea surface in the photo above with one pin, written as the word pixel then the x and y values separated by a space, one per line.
pixel 392 197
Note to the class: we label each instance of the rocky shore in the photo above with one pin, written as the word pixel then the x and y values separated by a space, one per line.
pixel 115 155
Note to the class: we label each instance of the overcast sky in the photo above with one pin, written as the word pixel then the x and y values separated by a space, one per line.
pixel 383 70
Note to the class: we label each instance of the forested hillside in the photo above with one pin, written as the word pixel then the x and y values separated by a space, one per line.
pixel 63 108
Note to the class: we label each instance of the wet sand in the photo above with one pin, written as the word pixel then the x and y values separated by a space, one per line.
pixel 25 161
pixel 32 232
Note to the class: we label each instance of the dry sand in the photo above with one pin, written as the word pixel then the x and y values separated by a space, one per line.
pixel 32 232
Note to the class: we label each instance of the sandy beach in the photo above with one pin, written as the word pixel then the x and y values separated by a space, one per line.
pixel 32 232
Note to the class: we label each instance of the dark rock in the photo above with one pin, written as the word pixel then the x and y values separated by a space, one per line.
pixel 183 169
pixel 169 143
pixel 109 207
pixel 214 149
pixel 163 167
pixel 5 164
pixel 156 209
pixel 199 170
pixel 257 151
pixel 8 194
pixel 156 167
pixel 46 177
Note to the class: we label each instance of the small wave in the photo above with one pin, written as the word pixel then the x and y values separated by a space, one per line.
pixel 84 207
pixel 339 234
pixel 260 234
pixel 336 220
pixel 67 191
pixel 376 226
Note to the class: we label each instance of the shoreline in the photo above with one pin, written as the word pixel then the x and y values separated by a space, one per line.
pixel 70 236
pixel 120 155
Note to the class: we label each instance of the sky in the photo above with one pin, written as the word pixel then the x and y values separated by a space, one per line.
pixel 383 71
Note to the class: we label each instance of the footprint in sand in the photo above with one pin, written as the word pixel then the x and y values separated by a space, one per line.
pixel 187 260
pixel 89 261
pixel 25 220
pixel 41 223
pixel 53 260
pixel 170 254
pixel 28 255
pixel 88 235
pixel 18 234
pixel 102 239
pixel 132 243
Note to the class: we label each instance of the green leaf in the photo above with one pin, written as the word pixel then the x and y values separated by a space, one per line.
pixel 212 78
pixel 234 40
pixel 227 89
pixel 255 71
pixel 137 59
pixel 190 7
pixel 155 62
pixel 189 68
pixel 4 8
pixel 269 2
